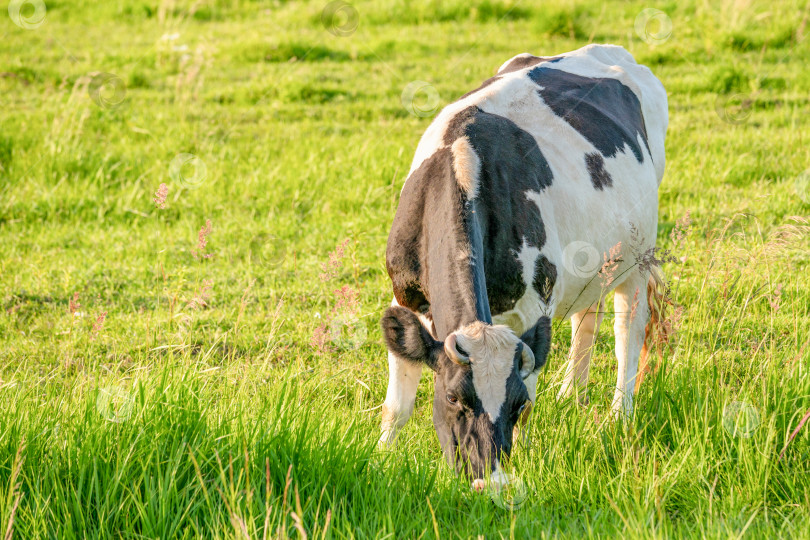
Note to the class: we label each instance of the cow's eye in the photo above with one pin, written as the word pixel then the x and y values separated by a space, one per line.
pixel 452 399
pixel 521 408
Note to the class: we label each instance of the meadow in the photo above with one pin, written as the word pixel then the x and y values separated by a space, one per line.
pixel 195 198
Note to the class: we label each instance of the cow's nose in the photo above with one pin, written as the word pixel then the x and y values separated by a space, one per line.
pixel 495 482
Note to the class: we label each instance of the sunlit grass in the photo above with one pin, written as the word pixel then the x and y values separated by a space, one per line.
pixel 200 406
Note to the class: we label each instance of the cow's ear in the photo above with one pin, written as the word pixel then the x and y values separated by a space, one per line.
pixel 407 338
pixel 538 338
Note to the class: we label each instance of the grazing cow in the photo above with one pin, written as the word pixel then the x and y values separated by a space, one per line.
pixel 517 195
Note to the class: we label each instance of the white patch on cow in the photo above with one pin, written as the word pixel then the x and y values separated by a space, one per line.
pixel 530 307
pixel 527 257
pixel 467 166
pixel 491 349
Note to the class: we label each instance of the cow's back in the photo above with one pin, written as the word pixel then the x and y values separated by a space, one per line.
pixel 512 94
pixel 579 140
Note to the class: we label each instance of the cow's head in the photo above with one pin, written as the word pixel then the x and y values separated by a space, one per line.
pixel 480 392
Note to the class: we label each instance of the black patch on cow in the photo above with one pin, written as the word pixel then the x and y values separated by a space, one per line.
pixel 527 61
pixel 483 85
pixel 545 276
pixel 596 168
pixel 603 110
pixel 511 165
pixel 538 338
pixel 430 229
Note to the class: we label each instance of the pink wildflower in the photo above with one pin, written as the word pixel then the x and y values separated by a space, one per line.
pixel 98 326
pixel 346 307
pixel 346 299
pixel 681 229
pixel 73 304
pixel 160 196
pixel 331 267
pixel 202 241
pixel 320 338
pixel 201 298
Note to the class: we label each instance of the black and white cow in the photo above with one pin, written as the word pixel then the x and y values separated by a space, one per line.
pixel 517 193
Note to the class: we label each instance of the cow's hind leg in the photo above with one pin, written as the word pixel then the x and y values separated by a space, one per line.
pixel 584 329
pixel 403 380
pixel 631 317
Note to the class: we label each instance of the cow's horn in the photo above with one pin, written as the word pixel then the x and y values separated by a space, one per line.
pixel 452 351
pixel 527 361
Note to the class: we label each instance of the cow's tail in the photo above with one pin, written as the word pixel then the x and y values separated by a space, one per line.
pixel 658 332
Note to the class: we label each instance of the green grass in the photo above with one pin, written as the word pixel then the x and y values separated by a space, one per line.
pixel 218 417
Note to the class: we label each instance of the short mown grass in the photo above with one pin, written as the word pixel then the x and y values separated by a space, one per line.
pixel 149 390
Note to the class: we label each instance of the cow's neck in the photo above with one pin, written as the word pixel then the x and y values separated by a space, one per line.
pixel 457 286
pixel 435 253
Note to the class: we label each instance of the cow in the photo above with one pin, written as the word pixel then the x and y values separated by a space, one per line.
pixel 528 199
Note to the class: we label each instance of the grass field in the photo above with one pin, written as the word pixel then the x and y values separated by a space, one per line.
pixel 203 359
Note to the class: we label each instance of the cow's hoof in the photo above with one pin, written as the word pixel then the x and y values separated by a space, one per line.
pixel 386 441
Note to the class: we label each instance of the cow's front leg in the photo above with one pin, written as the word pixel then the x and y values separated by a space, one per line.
pixel 631 318
pixel 403 380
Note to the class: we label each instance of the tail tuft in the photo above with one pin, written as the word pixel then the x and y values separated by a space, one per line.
pixel 659 332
